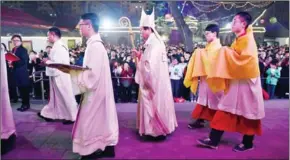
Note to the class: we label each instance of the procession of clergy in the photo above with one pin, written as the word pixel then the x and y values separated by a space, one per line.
pixel 230 93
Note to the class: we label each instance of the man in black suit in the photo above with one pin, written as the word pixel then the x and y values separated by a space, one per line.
pixel 20 71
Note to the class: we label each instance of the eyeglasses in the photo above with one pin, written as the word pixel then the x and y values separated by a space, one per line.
pixel 83 24
pixel 16 40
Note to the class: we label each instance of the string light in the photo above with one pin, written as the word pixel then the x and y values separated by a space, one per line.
pixel 244 5
pixel 202 5
pixel 207 11
pixel 224 5
pixel 262 5
pixel 258 5
pixel 216 5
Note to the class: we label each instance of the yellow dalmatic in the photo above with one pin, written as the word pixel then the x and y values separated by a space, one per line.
pixel 200 64
pixel 238 62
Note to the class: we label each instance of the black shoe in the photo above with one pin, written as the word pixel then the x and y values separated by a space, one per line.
pixel 109 151
pixel 241 148
pixel 23 108
pixel 8 144
pixel 195 125
pixel 95 155
pixel 207 143
pixel 46 119
pixel 160 138
pixel 67 122
pixel 154 139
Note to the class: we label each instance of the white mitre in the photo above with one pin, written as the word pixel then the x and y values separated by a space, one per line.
pixel 149 21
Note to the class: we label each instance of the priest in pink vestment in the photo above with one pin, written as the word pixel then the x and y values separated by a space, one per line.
pixel 8 131
pixel 96 130
pixel 156 113
pixel 62 104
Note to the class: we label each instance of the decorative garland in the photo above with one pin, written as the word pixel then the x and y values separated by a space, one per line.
pixel 202 10
pixel 216 5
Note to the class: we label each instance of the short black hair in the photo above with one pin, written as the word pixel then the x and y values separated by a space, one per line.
pixel 48 47
pixel 56 31
pixel 5 48
pixel 246 17
pixel 146 28
pixel 94 20
pixel 274 61
pixel 16 36
pixel 213 28
pixel 176 57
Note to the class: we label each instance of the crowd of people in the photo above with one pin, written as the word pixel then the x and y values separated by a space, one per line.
pixel 123 69
pixel 274 69
pixel 273 63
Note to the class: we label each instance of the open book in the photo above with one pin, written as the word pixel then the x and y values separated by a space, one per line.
pixel 11 57
pixel 70 67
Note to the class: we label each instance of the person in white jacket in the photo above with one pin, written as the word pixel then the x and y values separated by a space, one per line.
pixel 176 73
pixel 62 104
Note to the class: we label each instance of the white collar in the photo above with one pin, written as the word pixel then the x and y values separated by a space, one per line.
pixel 95 37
